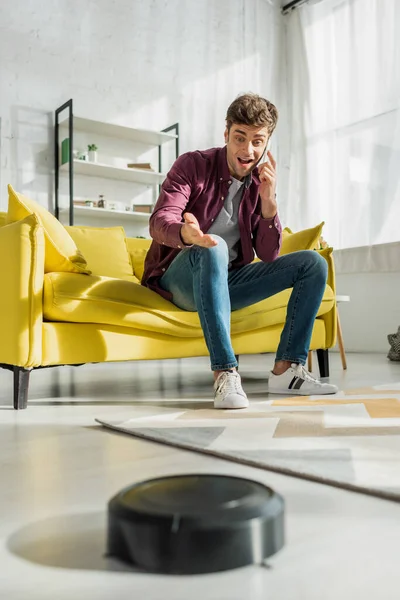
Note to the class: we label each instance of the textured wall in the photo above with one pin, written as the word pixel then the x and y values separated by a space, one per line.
pixel 137 63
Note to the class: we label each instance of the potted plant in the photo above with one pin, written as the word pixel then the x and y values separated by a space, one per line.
pixel 92 152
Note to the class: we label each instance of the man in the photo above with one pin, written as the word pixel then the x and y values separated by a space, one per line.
pixel 216 207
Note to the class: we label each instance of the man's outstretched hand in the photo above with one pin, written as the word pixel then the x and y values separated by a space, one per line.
pixel 192 234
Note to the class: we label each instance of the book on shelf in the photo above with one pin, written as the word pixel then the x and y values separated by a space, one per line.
pixel 146 166
pixel 65 151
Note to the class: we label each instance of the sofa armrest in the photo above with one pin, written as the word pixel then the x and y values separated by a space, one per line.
pixel 21 305
pixel 330 318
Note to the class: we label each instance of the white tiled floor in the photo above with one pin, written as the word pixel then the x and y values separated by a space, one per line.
pixel 58 470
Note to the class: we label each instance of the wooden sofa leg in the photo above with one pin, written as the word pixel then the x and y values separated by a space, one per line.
pixel 323 362
pixel 21 385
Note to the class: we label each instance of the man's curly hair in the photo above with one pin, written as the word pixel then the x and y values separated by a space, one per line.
pixel 252 109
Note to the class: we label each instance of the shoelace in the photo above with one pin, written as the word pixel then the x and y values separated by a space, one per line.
pixel 304 374
pixel 229 381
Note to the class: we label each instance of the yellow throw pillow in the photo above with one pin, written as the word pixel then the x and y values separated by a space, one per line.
pixel 61 253
pixel 104 249
pixel 301 240
pixel 3 219
pixel 138 249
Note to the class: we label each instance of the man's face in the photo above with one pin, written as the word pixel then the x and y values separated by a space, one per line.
pixel 245 145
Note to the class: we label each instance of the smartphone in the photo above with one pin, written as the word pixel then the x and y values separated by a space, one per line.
pixel 262 159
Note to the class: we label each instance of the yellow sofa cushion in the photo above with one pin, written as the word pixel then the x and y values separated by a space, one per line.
pixel 105 250
pixel 72 298
pixel 61 252
pixel 301 240
pixel 3 219
pixel 137 249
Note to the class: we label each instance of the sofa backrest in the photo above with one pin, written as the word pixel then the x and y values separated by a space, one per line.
pixel 307 239
pixel 137 248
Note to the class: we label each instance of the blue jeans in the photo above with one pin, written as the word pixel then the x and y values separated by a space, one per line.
pixel 200 280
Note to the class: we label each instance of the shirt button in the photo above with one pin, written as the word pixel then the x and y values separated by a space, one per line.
pixel 270 226
pixel 221 179
pixel 162 269
pixel 222 198
pixel 229 182
pixel 212 220
pixel 178 246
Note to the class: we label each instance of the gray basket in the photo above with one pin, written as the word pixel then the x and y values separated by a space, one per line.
pixel 394 341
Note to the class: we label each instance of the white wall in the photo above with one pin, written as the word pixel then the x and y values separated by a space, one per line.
pixel 137 63
pixel 370 275
pixel 372 313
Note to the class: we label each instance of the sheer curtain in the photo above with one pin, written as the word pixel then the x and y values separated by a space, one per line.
pixel 343 66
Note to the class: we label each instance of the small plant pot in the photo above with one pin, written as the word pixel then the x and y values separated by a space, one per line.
pixel 92 156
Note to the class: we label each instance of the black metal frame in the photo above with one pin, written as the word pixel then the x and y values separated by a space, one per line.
pixel 175 126
pixel 69 105
pixel 292 5
pixel 57 160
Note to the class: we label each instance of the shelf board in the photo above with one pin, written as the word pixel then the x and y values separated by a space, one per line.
pixel 91 169
pixel 142 136
pixel 105 212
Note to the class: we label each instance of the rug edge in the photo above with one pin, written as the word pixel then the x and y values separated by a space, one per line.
pixel 250 463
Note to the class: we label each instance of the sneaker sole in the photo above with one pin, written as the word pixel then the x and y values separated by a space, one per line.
pixel 300 393
pixel 224 405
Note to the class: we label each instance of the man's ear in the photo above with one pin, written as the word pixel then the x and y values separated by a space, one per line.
pixel 226 135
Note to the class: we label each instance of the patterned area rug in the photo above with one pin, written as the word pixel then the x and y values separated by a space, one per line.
pixel 350 440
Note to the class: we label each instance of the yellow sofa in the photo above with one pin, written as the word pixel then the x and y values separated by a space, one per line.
pixel 52 318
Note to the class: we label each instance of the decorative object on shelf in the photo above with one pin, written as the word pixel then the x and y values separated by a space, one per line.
pixel 89 203
pixel 82 156
pixel 115 205
pixel 101 202
pixel 140 166
pixel 144 208
pixel 65 151
pixel 92 152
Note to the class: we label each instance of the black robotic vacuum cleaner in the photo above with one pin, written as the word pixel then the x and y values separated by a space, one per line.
pixel 195 524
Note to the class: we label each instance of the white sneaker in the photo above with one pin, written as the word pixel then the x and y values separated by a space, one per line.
pixel 297 380
pixel 229 392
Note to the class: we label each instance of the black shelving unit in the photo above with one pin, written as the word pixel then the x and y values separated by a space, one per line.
pixel 69 107
pixel 60 109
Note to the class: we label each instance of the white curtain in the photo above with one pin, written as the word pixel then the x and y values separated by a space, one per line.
pixel 344 120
